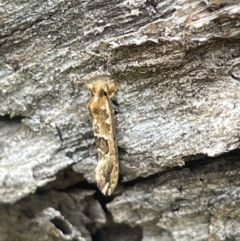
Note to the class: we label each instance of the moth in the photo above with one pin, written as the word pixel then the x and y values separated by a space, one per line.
pixel 102 115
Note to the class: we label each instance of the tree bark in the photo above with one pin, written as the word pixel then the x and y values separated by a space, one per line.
pixel 177 110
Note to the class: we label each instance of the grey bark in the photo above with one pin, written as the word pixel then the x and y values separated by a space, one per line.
pixel 177 66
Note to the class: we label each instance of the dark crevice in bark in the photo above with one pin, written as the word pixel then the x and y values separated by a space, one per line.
pixel 112 231
pixel 101 233
pixel 194 162
pixel 15 119
pixel 118 232
pixel 191 162
pixel 62 225
pixel 68 181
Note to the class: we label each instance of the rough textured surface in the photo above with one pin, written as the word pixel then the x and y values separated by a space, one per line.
pixel 177 66
pixel 62 215
pixel 197 202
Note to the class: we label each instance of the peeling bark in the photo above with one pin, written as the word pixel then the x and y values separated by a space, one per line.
pixel 177 67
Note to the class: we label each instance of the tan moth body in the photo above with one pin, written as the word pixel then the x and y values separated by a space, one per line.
pixel 99 105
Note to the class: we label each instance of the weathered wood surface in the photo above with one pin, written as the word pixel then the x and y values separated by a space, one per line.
pixel 177 66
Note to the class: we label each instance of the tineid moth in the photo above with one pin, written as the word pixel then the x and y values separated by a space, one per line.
pixel 102 115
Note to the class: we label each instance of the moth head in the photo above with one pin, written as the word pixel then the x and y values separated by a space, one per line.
pixel 96 88
pixel 101 87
